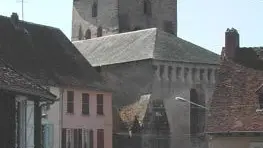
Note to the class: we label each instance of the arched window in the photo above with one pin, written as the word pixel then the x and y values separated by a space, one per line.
pixel 88 34
pixel 80 36
pixel 147 7
pixel 94 9
pixel 99 31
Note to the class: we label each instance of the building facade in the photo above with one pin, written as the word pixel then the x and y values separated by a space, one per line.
pixel 235 113
pixel 21 105
pixel 157 63
pixel 94 18
pixel 53 61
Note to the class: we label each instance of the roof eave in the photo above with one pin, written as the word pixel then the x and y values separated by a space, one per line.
pixel 43 96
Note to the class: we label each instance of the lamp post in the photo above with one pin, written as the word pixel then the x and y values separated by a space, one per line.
pixel 184 100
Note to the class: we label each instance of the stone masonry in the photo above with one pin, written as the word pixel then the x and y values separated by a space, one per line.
pixel 163 80
pixel 115 16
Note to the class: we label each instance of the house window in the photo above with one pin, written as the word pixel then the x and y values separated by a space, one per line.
pixel 147 8
pixel 94 10
pixel 70 102
pixel 99 31
pixel 168 27
pixel 85 136
pixel 260 100
pixel 85 104
pixel 87 34
pixel 100 138
pixel 100 104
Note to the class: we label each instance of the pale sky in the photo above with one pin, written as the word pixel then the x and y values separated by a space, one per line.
pixel 202 22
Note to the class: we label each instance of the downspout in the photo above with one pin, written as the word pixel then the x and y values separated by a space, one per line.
pixel 61 92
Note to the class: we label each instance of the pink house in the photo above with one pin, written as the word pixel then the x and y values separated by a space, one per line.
pixel 87 119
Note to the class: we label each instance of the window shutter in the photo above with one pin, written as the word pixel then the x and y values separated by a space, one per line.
pixel 91 138
pixel 63 141
pixel 100 138
pixel 80 138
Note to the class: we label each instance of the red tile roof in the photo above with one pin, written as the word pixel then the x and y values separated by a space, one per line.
pixel 235 101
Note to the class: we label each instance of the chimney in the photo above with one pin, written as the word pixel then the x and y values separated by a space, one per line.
pixel 14 19
pixel 231 43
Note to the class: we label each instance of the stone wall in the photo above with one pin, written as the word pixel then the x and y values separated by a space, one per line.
pixel 107 17
pixel 164 80
pixel 161 11
pixel 116 16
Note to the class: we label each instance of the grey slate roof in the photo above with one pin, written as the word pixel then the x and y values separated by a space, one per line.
pixel 141 45
pixel 14 81
pixel 46 54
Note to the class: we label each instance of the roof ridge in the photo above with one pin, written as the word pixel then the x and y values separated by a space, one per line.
pixel 31 23
pixel 118 34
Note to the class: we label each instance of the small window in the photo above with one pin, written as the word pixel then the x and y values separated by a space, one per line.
pixel 209 73
pixel 161 71
pixel 85 104
pixel 186 73
pixel 170 69
pixel 178 72
pixel 99 31
pixel 100 104
pixel 147 8
pixel 168 27
pixel 260 100
pixel 70 102
pixel 202 71
pixel 80 36
pixel 87 34
pixel 193 74
pixel 94 10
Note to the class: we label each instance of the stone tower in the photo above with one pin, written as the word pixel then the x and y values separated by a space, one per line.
pixel 94 18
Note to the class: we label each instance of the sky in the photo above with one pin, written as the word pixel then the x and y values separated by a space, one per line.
pixel 202 22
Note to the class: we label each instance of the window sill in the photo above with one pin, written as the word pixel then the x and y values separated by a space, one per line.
pixel 85 115
pixel 100 115
pixel 259 110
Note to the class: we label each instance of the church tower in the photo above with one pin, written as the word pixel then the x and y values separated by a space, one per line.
pixel 95 18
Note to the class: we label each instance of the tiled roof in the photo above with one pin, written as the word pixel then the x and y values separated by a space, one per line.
pixel 45 54
pixel 234 102
pixel 11 80
pixel 128 113
pixel 140 45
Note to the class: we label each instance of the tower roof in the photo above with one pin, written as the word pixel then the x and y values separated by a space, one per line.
pixel 140 45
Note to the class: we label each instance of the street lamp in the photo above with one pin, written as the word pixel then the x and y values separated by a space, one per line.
pixel 184 100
